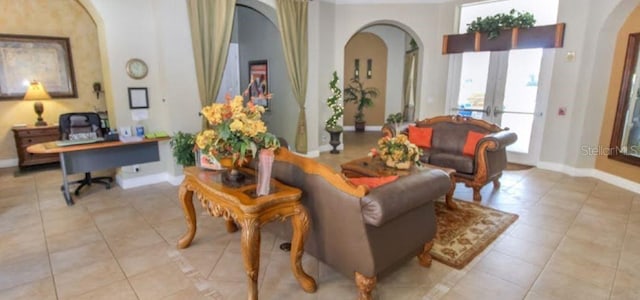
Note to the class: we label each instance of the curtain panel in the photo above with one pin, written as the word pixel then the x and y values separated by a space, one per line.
pixel 292 19
pixel 211 23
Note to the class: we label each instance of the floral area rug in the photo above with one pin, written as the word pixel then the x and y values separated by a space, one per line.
pixel 463 233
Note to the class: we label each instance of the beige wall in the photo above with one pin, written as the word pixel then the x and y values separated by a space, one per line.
pixel 64 18
pixel 363 46
pixel 603 163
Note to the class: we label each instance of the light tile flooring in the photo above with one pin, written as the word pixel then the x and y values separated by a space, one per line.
pixel 576 238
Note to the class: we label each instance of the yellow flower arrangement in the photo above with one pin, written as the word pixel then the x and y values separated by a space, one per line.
pixel 235 130
pixel 398 151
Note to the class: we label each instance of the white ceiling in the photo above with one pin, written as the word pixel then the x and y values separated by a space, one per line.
pixel 385 1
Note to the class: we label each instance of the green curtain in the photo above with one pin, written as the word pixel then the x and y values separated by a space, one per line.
pixel 211 24
pixel 292 19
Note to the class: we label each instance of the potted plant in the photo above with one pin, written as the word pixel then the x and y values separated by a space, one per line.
pixel 182 147
pixel 333 102
pixel 395 120
pixel 362 97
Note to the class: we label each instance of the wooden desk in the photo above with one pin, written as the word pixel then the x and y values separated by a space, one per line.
pixel 375 167
pixel 98 156
pixel 240 205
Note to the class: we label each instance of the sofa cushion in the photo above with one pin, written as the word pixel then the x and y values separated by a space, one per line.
pixel 392 200
pixel 461 163
pixel 470 144
pixel 372 182
pixel 420 136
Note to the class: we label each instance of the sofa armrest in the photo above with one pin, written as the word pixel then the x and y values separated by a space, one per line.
pixel 501 139
pixel 391 200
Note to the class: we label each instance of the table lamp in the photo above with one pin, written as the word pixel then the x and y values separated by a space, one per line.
pixel 36 91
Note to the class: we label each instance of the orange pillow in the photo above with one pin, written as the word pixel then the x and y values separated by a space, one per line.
pixel 420 136
pixel 472 140
pixel 372 182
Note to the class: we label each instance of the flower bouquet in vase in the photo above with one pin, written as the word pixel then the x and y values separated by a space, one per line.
pixel 397 152
pixel 235 134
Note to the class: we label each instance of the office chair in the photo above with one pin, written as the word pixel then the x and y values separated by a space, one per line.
pixel 82 126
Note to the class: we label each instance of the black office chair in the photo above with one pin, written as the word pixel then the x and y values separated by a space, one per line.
pixel 82 126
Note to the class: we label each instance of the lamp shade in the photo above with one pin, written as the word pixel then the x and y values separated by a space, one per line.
pixel 36 91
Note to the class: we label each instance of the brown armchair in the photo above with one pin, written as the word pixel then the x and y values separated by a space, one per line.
pixel 362 233
pixel 447 143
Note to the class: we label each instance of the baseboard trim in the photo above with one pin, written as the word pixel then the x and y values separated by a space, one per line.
pixel 325 148
pixel 366 128
pixel 594 173
pixel 7 163
pixel 134 182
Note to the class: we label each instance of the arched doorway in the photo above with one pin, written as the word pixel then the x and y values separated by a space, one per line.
pixel 399 91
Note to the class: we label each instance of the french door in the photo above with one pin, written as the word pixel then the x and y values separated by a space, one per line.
pixel 503 88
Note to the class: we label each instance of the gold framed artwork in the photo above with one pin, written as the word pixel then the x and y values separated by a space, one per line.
pixel 24 58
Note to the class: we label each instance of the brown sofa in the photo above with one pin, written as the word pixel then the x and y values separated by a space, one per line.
pixel 447 143
pixel 358 232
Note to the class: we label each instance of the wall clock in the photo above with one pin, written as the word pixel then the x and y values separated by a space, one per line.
pixel 137 68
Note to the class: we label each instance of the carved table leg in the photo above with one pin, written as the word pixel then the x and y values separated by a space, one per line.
pixel 449 197
pixel 250 242
pixel 231 226
pixel 365 286
pixel 424 258
pixel 300 222
pixel 496 183
pixel 186 199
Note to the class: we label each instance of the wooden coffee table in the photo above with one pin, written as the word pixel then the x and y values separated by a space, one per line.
pixel 238 203
pixel 375 167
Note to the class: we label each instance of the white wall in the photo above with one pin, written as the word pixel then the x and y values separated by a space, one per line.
pixel 158 33
pixel 421 21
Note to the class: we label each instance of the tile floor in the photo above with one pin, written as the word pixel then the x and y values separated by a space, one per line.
pixel 576 238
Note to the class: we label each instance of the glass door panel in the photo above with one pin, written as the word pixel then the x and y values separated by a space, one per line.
pixel 520 94
pixel 473 84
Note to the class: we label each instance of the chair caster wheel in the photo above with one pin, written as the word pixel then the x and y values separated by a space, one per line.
pixel 286 247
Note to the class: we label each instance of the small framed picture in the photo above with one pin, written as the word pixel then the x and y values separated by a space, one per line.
pixel 258 88
pixel 138 98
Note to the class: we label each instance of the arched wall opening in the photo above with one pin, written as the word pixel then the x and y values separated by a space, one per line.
pixel 401 41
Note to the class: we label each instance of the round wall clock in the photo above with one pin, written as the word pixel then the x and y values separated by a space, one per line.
pixel 137 68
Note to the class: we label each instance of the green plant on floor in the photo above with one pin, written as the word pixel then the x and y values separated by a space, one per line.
pixel 492 25
pixel 361 96
pixel 182 146
pixel 333 102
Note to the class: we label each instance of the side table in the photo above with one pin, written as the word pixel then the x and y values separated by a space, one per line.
pixel 238 203
pixel 375 167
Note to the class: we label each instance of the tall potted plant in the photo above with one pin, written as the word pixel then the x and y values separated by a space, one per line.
pixel 333 102
pixel 362 97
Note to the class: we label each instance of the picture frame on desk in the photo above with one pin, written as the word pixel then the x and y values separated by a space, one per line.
pixel 42 58
pixel 138 98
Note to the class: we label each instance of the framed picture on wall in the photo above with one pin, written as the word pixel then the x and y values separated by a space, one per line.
pixel 25 58
pixel 258 87
pixel 138 98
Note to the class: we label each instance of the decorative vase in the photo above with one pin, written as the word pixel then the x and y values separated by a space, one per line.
pixel 402 165
pixel 233 173
pixel 265 163
pixel 360 126
pixel 335 140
